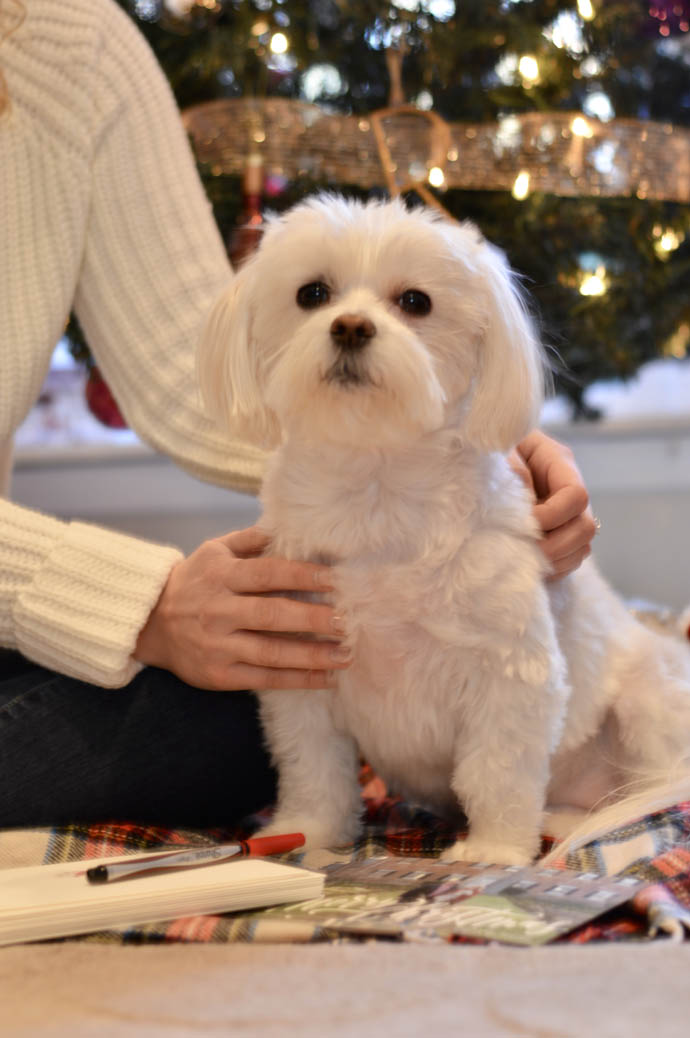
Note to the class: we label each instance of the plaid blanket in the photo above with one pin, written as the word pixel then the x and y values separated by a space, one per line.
pixel 656 848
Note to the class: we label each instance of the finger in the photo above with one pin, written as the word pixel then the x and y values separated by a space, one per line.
pixel 288 615
pixel 250 541
pixel 565 504
pixel 283 653
pixel 270 574
pixel 520 469
pixel 259 679
pixel 573 536
pixel 569 563
pixel 552 466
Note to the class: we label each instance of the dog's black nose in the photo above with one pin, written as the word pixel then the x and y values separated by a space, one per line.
pixel 352 331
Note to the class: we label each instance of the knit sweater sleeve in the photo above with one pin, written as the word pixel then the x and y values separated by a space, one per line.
pixel 153 261
pixel 73 596
pixel 99 203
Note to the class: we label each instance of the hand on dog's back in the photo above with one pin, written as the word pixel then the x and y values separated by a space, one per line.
pixel 221 622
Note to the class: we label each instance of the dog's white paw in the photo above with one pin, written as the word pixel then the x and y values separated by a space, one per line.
pixel 486 851
pixel 317 834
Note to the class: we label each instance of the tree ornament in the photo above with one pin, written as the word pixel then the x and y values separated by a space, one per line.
pixel 394 62
pixel 101 402
pixel 246 236
pixel 564 153
pixel 403 122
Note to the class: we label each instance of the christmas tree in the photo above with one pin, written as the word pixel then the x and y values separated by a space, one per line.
pixel 573 112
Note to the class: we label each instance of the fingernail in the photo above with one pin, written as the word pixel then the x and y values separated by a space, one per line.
pixel 338 624
pixel 323 578
pixel 340 654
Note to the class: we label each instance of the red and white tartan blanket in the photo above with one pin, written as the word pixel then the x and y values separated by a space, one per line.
pixel 656 848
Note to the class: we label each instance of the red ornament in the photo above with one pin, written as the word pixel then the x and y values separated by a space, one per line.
pixel 245 237
pixel 101 401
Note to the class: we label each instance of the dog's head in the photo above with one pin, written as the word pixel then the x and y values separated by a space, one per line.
pixel 372 324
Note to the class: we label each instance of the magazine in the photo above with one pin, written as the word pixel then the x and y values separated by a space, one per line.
pixel 424 899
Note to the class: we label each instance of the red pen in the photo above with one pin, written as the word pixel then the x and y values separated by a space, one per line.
pixel 137 866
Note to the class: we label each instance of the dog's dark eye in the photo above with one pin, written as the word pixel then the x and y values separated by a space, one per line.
pixel 312 295
pixel 413 301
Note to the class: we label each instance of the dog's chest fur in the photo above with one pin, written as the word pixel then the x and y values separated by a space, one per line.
pixel 419 542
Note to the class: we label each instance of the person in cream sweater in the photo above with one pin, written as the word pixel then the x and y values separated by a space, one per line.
pixel 102 211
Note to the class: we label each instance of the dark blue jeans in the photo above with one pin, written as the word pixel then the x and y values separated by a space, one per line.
pixel 155 752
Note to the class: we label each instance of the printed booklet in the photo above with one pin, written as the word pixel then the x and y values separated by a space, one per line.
pixel 426 899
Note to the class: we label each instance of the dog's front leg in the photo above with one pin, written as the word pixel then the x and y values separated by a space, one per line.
pixel 317 764
pixel 502 766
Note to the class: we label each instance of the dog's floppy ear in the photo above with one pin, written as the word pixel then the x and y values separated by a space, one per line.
pixel 509 384
pixel 229 367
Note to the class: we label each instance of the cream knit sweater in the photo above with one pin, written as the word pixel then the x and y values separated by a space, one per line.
pixel 101 209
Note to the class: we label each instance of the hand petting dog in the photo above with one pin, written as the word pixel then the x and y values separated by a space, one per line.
pixel 562 502
pixel 220 622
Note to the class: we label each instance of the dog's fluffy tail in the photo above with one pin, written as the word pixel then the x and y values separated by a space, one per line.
pixel 646 800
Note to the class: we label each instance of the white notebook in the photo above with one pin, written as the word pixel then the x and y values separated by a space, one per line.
pixel 44 901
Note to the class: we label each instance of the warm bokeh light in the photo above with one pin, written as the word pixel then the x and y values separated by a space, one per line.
pixel 520 188
pixel 595 284
pixel 581 127
pixel 528 67
pixel 279 43
pixel 437 177
pixel 667 240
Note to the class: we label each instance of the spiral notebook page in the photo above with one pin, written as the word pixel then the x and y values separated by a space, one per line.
pixel 57 900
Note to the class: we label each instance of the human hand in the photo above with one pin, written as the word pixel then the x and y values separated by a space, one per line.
pixel 215 627
pixel 562 502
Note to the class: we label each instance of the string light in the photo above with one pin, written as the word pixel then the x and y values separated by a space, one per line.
pixel 436 177
pixel 279 43
pixel 565 32
pixel 507 68
pixel 595 284
pixel 591 66
pixel 585 10
pixel 598 104
pixel 528 68
pixel 580 127
pixel 667 241
pixel 322 81
pixel 520 188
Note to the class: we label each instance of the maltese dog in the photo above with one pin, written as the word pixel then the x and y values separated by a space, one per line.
pixel 387 357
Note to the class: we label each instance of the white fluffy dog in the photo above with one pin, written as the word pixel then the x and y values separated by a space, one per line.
pixel 387 355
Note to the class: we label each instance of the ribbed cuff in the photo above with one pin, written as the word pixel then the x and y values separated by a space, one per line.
pixel 83 610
